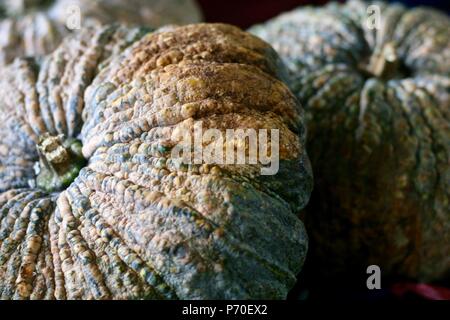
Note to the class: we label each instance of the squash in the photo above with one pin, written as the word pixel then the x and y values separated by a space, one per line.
pixel 36 27
pixel 376 97
pixel 94 205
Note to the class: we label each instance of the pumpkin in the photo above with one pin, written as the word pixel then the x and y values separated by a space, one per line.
pixel 376 98
pixel 36 27
pixel 94 205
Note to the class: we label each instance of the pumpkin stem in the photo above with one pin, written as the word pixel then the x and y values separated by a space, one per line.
pixel 384 63
pixel 60 161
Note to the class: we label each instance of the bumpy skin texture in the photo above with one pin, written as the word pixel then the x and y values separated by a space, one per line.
pixel 136 223
pixel 38 26
pixel 379 143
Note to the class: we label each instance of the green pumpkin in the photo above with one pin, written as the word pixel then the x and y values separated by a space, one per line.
pixel 135 222
pixel 376 96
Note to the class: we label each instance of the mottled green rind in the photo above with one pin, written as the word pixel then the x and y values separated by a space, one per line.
pixel 135 224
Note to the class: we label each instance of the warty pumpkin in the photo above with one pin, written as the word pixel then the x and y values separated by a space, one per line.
pixel 376 98
pixel 134 222
pixel 36 27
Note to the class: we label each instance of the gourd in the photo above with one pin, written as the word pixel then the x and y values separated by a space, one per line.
pixel 36 27
pixel 376 98
pixel 109 213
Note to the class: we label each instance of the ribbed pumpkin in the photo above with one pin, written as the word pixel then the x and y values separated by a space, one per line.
pixel 377 103
pixel 36 27
pixel 135 222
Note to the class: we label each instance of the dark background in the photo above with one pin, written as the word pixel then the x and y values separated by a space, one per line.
pixel 245 13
